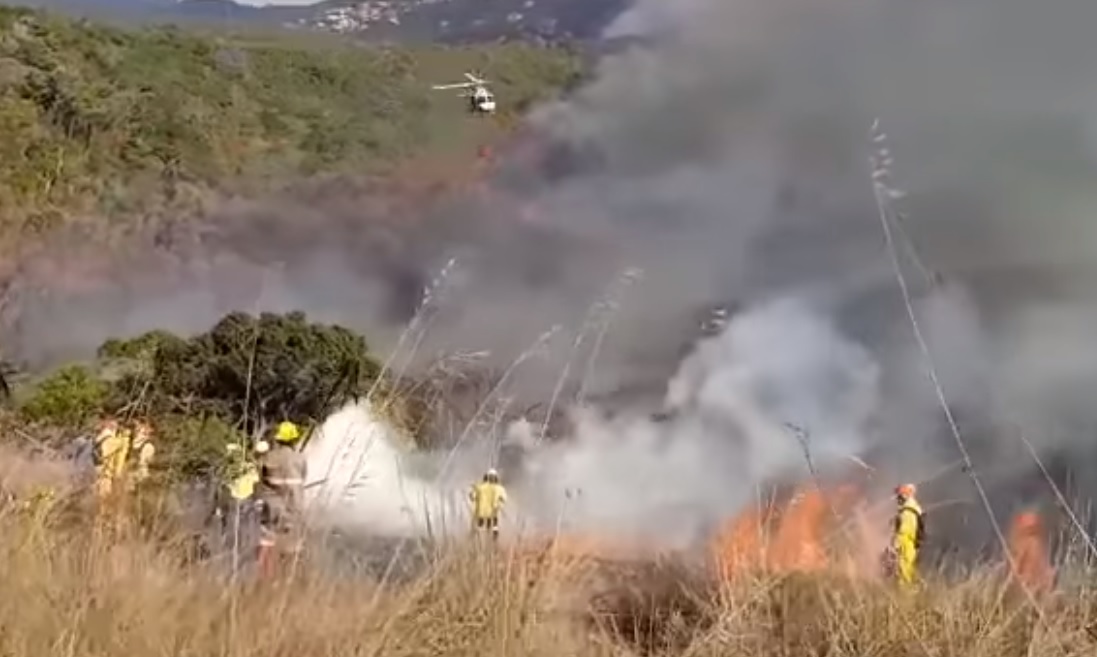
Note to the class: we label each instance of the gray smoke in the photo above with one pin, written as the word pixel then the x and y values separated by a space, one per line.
pixel 732 166
pixel 736 156
pixel 664 482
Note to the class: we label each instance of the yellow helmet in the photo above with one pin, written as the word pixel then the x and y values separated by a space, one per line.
pixel 287 432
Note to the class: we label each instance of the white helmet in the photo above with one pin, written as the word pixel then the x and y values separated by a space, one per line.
pixel 262 447
pixel 492 473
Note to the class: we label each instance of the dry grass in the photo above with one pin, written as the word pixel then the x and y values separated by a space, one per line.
pixel 71 590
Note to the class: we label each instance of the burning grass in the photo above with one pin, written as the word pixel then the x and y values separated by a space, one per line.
pixel 71 590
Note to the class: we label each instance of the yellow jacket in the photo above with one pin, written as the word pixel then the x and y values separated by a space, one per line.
pixel 146 452
pixel 242 486
pixel 113 446
pixel 907 521
pixel 487 499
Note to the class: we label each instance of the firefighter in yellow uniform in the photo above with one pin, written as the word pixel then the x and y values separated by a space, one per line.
pixel 112 446
pixel 236 513
pixel 908 533
pixel 243 472
pixel 144 452
pixel 488 497
pixel 282 474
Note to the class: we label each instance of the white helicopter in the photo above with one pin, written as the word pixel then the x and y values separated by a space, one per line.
pixel 481 100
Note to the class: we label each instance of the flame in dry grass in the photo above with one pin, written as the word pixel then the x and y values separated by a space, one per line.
pixel 1028 548
pixel 741 545
pixel 795 535
pixel 799 541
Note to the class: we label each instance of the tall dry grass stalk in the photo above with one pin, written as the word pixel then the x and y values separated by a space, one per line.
pixel 70 590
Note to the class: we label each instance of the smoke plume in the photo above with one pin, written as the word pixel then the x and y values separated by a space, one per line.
pixel 736 151
pixel 731 405
pixel 727 158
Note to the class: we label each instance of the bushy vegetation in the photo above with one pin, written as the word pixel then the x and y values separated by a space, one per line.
pixel 255 370
pixel 99 119
pixel 239 377
pixel 71 397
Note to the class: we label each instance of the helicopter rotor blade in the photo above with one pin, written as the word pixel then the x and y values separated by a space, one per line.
pixel 475 79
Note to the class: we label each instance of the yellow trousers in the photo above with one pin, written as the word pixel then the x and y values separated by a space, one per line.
pixel 906 557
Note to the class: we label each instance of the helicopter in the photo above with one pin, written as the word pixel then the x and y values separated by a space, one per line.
pixel 481 100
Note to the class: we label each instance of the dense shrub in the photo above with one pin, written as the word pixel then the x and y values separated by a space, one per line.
pixel 243 375
pixel 69 397
pixel 248 371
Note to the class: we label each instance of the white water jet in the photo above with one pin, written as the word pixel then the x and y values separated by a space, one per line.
pixel 360 477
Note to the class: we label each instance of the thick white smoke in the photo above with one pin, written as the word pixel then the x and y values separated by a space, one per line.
pixel 734 406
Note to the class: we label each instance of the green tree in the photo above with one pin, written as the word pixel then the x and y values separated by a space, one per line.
pixel 70 397
pixel 251 371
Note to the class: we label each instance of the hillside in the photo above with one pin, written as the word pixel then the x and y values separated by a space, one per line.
pixel 98 121
pixel 402 21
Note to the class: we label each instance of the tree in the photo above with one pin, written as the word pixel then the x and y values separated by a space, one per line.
pixel 70 397
pixel 247 371
pixel 203 392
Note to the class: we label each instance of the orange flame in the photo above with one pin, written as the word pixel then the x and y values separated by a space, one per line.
pixel 804 525
pixel 812 530
pixel 741 544
pixel 799 541
pixel 1028 548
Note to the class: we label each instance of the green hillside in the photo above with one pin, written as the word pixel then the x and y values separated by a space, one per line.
pixel 97 120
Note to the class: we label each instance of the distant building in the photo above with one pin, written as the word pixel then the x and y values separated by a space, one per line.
pixel 359 16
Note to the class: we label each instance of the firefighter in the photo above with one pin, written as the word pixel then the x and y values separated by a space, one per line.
pixel 908 533
pixel 282 474
pixel 243 472
pixel 112 448
pixel 236 500
pixel 144 451
pixel 240 481
pixel 488 498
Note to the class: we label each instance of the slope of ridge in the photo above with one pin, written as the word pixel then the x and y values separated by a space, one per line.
pixel 101 123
